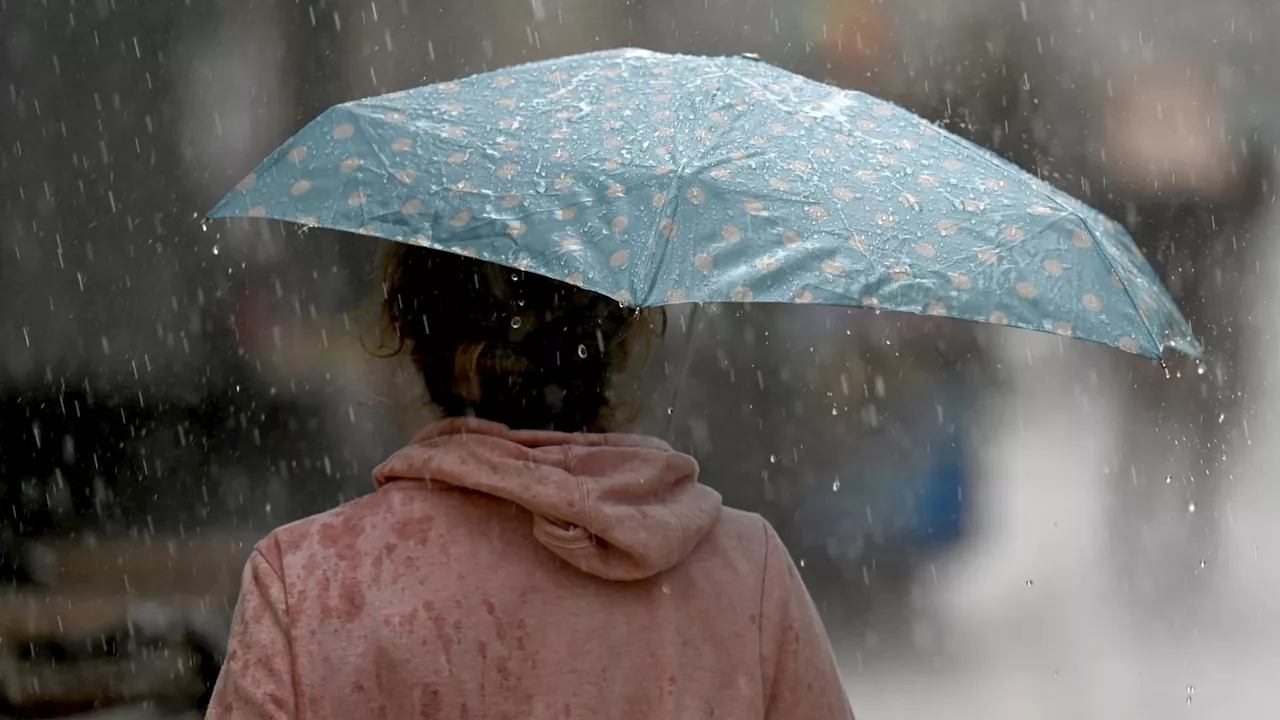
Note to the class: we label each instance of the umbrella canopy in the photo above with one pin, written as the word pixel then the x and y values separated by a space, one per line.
pixel 661 179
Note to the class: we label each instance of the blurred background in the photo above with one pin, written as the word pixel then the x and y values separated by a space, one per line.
pixel 995 524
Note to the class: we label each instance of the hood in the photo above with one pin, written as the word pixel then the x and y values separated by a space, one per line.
pixel 620 507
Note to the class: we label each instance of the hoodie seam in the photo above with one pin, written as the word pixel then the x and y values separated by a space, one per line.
pixel 548 537
pixel 666 466
pixel 583 492
pixel 288 616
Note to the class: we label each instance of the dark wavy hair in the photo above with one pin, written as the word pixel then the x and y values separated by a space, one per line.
pixel 509 346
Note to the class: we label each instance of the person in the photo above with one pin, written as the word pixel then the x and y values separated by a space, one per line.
pixel 521 558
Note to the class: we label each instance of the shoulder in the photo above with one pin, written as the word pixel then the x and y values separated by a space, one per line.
pixel 746 525
pixel 744 538
pixel 338 531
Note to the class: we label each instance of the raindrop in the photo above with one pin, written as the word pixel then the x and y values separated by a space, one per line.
pixel 1200 369
pixel 1168 479
pixel 835 486
pixel 582 351
pixel 666 589
pixel 215 249
pixel 1191 508
pixel 515 322
pixel 1030 583
pixel 773 458
pixel 671 411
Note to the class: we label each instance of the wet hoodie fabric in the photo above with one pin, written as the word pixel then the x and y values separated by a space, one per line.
pixel 530 576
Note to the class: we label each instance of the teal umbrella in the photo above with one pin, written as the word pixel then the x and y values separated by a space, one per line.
pixel 662 179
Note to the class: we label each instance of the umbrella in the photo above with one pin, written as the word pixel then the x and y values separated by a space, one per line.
pixel 663 179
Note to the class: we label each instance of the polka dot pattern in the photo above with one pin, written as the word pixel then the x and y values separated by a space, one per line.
pixel 658 179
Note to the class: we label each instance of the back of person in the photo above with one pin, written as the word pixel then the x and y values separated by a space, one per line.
pixel 546 572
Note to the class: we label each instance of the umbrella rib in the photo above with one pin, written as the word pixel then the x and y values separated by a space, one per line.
pixel 1097 247
pixel 650 276
pixel 656 254
pixel 997 162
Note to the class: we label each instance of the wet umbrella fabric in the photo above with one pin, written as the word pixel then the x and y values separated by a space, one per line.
pixel 661 179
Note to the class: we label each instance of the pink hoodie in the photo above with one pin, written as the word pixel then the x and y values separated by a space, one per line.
pixel 530 576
